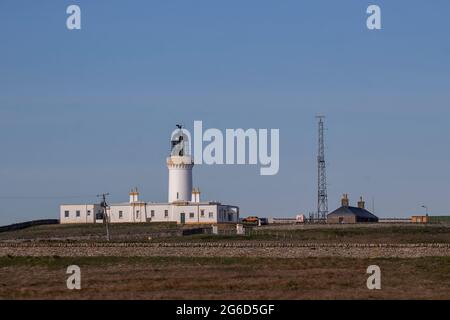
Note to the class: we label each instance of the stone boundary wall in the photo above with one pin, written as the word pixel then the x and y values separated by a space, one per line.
pixel 218 245
pixel 229 249
pixel 23 225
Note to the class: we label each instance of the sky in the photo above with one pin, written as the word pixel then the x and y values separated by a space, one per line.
pixel 88 111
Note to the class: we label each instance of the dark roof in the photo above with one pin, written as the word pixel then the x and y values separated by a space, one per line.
pixel 362 213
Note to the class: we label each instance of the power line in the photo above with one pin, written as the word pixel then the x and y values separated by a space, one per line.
pixel 44 197
pixel 104 205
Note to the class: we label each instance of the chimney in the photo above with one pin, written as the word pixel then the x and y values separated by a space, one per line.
pixel 344 201
pixel 196 195
pixel 361 203
pixel 134 195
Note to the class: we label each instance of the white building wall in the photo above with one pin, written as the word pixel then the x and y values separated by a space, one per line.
pixel 128 213
pixel 159 213
pixel 120 213
pixel 138 211
pixel 78 213
pixel 194 213
pixel 205 213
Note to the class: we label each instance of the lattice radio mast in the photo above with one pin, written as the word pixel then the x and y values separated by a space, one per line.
pixel 322 196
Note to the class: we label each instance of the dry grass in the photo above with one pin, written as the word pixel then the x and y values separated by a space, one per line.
pixel 231 278
pixel 96 231
pixel 224 278
pixel 378 233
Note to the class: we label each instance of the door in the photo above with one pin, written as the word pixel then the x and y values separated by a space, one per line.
pixel 182 218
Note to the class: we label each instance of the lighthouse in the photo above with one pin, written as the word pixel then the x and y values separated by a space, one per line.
pixel 180 164
pixel 183 206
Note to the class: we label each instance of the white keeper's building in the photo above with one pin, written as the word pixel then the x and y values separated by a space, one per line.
pixel 183 206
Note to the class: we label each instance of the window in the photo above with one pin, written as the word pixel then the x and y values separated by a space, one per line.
pixel 211 215
pixel 89 212
pixel 99 215
pixel 120 214
pixel 178 196
pixel 202 213
pixel 191 215
pixel 152 213
pixel 137 214
pixel 166 213
pixel 66 214
pixel 78 213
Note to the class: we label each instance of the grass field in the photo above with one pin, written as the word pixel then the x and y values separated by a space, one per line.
pixel 219 277
pixel 87 230
pixel 141 232
pixel 223 278
pixel 362 234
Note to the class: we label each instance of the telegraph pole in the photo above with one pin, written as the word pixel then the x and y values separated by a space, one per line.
pixel 104 205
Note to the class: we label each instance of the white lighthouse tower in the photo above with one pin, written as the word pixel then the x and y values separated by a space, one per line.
pixel 180 164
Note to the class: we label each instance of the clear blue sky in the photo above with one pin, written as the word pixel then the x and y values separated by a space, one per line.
pixel 90 111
